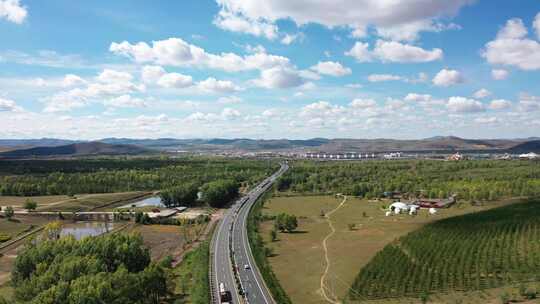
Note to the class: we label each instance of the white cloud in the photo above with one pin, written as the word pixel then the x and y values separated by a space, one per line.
pixel 464 105
pixel 529 102
pixel 229 113
pixel 446 78
pixel 393 51
pixel 482 93
pixel 500 104
pixel 279 78
pixel 511 47
pixel 409 31
pixel 113 76
pixel 125 101
pixel 424 99
pixel 13 11
pixel 321 109
pixel 383 77
pixel 486 120
pixel 499 74
pixel 8 105
pixel 175 80
pixel 229 100
pixel 71 80
pixel 233 22
pixel 331 68
pixel 217 86
pixel 360 52
pixel 360 103
pixel 177 52
pixel 150 74
pixel 354 14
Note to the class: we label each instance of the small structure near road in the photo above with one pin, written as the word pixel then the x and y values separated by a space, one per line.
pixel 164 213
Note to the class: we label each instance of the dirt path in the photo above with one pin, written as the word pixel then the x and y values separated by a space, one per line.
pixel 331 297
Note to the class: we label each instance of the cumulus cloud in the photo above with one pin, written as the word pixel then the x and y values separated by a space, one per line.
pixel 217 86
pixel 290 38
pixel 331 68
pixel 393 51
pixel 360 103
pixel 175 80
pixel 459 104
pixel 499 74
pixel 360 51
pixel 150 74
pixel 234 22
pixel 500 104
pixel 125 101
pixel 71 80
pixel 109 83
pixel 354 14
pixel 279 78
pixel 177 52
pixel 424 99
pixel 321 109
pixel 446 78
pixel 410 31
pixel 512 47
pixel 482 93
pixel 8 105
pixel 13 11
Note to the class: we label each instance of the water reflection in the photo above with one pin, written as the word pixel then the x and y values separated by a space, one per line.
pixel 154 201
pixel 83 229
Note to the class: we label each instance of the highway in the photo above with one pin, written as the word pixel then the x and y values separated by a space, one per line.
pixel 232 232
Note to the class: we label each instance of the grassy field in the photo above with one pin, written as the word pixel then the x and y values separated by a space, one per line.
pixel 18 201
pixel 87 202
pixel 163 240
pixel 299 257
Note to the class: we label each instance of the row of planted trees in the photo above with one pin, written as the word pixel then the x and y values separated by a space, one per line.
pixel 470 252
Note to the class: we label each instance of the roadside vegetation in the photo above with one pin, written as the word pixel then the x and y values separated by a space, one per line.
pixel 261 252
pixel 478 180
pixel 191 277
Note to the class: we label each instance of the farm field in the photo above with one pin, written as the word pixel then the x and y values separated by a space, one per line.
pixel 18 201
pixel 299 260
pixel 88 202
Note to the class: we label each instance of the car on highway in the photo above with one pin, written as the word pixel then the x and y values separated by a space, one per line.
pixel 247 267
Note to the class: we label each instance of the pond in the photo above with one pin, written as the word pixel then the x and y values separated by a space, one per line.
pixel 83 229
pixel 154 201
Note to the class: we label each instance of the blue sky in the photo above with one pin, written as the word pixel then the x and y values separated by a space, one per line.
pixel 269 69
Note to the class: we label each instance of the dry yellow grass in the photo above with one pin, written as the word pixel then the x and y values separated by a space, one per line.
pixel 299 260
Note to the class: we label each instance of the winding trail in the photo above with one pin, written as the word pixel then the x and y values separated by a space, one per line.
pixel 330 298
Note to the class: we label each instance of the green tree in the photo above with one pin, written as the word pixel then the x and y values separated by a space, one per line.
pixel 9 212
pixel 273 235
pixel 30 205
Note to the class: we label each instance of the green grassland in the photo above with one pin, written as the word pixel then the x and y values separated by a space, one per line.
pixel 298 259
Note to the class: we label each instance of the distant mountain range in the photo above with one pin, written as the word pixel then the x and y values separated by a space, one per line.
pixel 78 149
pixel 116 146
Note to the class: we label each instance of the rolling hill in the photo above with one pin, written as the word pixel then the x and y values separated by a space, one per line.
pixel 77 149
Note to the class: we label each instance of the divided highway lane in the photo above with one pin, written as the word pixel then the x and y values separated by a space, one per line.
pixel 251 279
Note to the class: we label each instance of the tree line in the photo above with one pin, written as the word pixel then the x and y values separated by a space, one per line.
pixel 478 180
pixel 68 177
